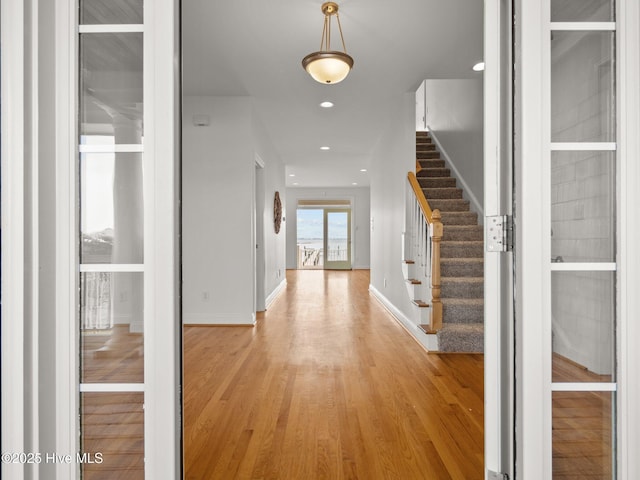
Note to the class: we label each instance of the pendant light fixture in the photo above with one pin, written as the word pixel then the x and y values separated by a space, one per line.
pixel 328 66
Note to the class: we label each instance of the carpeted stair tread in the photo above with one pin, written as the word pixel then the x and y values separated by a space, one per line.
pixel 462 337
pixel 434 172
pixel 436 182
pixel 424 147
pixel 465 249
pixel 462 267
pixel 431 163
pixel 427 154
pixel 444 193
pixel 449 205
pixel 463 232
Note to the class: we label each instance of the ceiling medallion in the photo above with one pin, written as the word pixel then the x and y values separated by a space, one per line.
pixel 328 66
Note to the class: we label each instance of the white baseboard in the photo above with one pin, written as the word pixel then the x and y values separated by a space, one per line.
pixel 428 342
pixel 276 291
pixel 248 320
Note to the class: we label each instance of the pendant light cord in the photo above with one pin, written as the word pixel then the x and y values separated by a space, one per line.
pixel 325 40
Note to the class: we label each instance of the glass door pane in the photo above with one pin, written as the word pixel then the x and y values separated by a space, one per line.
pixel 337 226
pixel 111 239
pixel 583 212
pixel 310 238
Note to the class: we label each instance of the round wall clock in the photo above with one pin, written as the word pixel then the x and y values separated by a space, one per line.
pixel 277 212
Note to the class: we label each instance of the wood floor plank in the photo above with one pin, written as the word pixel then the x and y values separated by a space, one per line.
pixel 328 385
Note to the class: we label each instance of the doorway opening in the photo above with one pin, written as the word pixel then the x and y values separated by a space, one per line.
pixel 323 235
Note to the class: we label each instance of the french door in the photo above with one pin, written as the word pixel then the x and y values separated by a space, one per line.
pixel 569 370
pixel 90 103
pixel 128 256
pixel 337 238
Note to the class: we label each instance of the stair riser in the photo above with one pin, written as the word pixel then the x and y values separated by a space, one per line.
pixel 451 193
pixel 425 147
pixel 460 218
pixel 417 292
pixel 434 172
pixel 438 182
pixel 463 313
pixel 408 270
pixel 470 232
pixel 449 205
pixel 432 163
pixel 461 270
pixel 465 250
pixel 427 154
pixel 462 290
pixel 461 342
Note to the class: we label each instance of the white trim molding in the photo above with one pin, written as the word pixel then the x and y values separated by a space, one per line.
pixel 162 326
pixel 532 246
pixel 12 32
pixel 111 387
pixel 628 131
pixel 220 319
pixel 428 342
pixel 116 28
pixel 66 220
pixel 583 387
pixel 282 286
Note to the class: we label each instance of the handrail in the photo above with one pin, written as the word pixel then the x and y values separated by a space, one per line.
pixel 422 200
pixel 434 221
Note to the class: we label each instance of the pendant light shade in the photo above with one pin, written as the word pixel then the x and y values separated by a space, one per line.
pixel 328 66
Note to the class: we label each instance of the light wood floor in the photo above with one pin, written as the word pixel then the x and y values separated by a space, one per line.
pixel 582 426
pixel 328 386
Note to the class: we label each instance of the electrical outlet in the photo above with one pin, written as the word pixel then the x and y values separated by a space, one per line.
pixel 205 296
pixel 384 281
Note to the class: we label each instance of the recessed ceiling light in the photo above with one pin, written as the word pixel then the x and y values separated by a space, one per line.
pixel 363 169
pixel 354 183
pixel 292 174
pixel 478 67
pixel 325 148
pixel 326 104
pixel 295 183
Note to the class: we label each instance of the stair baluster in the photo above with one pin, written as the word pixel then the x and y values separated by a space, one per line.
pixel 425 230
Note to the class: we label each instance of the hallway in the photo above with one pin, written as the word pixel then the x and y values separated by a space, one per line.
pixel 328 385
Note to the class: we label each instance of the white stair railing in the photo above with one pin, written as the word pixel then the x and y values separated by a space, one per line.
pixel 423 234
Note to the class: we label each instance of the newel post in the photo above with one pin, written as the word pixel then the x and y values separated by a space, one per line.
pixel 436 304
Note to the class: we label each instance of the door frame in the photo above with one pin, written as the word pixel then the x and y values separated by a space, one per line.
pixel 258 223
pixel 498 266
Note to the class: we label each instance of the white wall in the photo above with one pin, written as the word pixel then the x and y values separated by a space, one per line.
pixel 218 195
pixel 274 181
pixel 454 112
pixel 360 238
pixel 393 157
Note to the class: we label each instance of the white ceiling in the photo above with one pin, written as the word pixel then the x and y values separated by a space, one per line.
pixel 254 48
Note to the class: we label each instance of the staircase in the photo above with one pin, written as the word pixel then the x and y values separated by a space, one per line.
pixel 461 253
